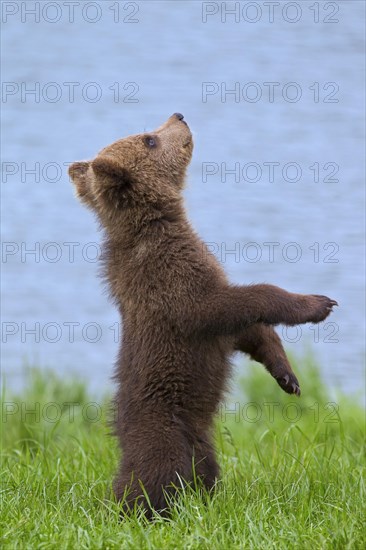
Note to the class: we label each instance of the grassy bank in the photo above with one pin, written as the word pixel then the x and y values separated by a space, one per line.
pixel 292 472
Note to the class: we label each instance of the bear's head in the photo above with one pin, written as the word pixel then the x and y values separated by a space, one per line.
pixel 143 172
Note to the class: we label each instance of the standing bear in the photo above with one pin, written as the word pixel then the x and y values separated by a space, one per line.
pixel 182 319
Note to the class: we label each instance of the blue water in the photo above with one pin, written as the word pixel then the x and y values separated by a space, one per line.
pixel 169 60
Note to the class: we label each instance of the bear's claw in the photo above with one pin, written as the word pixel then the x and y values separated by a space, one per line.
pixel 320 307
pixel 289 384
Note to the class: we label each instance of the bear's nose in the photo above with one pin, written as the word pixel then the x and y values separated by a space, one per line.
pixel 179 116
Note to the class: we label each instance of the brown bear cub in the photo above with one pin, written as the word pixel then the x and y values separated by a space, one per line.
pixel 182 319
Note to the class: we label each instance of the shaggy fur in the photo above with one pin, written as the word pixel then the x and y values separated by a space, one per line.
pixel 182 319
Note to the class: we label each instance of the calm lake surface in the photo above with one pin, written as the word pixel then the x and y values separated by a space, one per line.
pixel 276 184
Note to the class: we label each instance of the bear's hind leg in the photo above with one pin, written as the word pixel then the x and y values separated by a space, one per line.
pixel 153 466
pixel 205 464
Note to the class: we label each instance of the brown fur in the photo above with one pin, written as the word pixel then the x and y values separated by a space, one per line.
pixel 182 319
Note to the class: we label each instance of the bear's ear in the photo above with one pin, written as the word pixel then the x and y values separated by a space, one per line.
pixel 110 172
pixel 112 183
pixel 78 172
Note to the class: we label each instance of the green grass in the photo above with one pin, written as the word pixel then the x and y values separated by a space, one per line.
pixel 292 472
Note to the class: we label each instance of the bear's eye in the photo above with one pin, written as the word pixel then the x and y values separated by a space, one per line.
pixel 150 141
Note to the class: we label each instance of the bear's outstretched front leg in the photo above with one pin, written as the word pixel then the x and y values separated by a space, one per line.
pixel 230 309
pixel 264 345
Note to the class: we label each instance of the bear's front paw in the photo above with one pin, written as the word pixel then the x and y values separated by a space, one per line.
pixel 289 383
pixel 319 307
